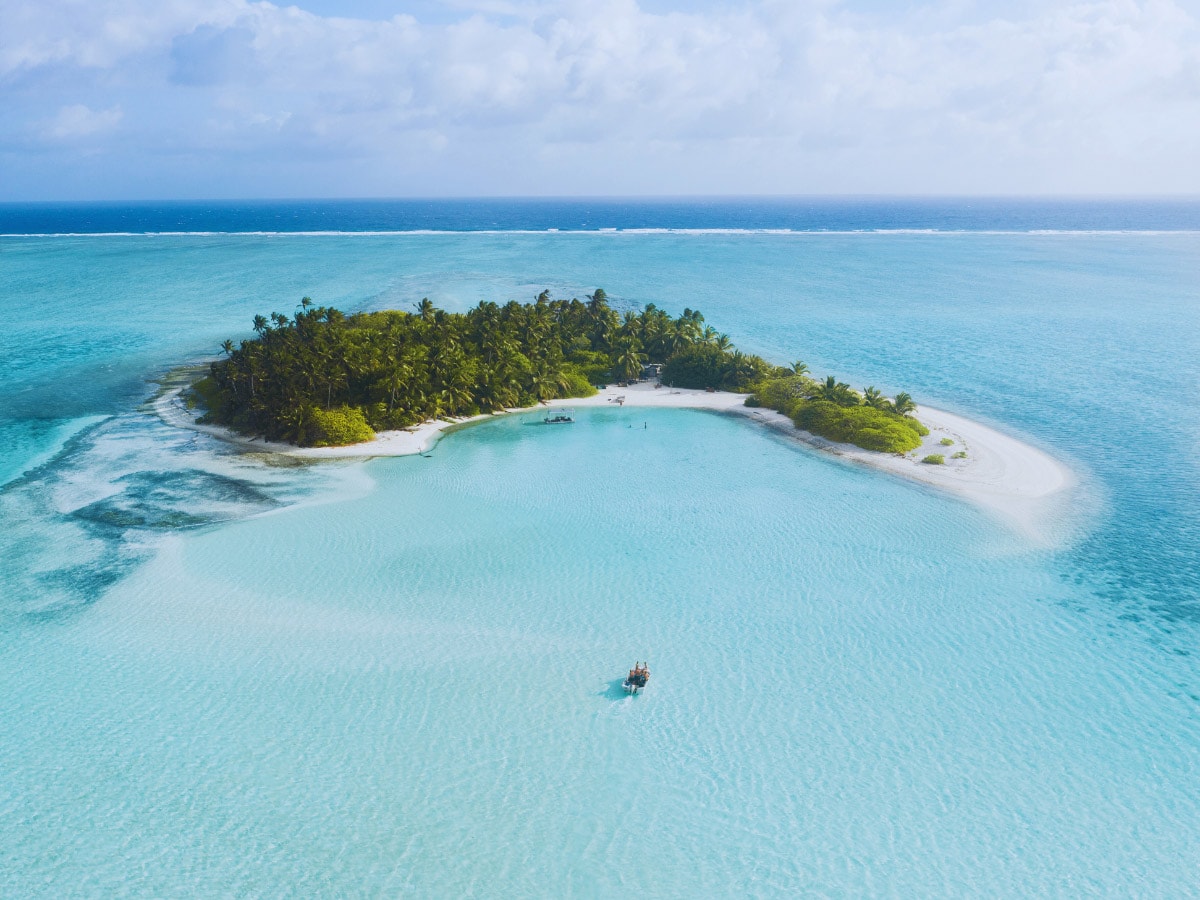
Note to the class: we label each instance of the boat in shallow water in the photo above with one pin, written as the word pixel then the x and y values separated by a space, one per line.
pixel 559 418
pixel 637 678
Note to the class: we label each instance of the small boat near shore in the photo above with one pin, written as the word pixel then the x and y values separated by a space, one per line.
pixel 559 418
pixel 637 678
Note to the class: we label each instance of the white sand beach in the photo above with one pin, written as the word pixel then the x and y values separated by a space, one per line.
pixel 1007 477
pixel 1017 482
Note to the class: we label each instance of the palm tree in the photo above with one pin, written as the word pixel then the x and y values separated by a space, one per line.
pixel 227 346
pixel 837 392
pixel 691 324
pixel 629 360
pixel 903 404
pixel 604 323
pixel 395 382
pixel 497 345
pixel 723 343
pixel 537 322
pixel 457 396
pixel 559 374
pixel 739 370
pixel 874 398
pixel 502 395
pixel 426 309
pixel 799 368
pixel 433 407
pixel 253 365
pixel 545 381
pixel 672 340
pixel 260 324
pixel 334 370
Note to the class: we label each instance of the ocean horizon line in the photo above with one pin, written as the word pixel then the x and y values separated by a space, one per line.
pixel 764 216
pixel 632 198
pixel 780 232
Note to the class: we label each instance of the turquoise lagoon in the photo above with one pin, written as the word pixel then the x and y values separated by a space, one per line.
pixel 224 676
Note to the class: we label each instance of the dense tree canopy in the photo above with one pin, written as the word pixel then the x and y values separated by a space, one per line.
pixel 320 377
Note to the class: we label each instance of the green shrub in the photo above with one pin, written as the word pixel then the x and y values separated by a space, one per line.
pixel 934 459
pixel 380 418
pixel 698 366
pixel 336 427
pixel 597 374
pixel 863 426
pixel 708 366
pixel 596 367
pixel 782 394
pixel 961 454
pixel 946 442
pixel 204 391
pixel 580 357
pixel 577 385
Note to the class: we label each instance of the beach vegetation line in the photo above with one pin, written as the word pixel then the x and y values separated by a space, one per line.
pixel 321 378
pixel 833 410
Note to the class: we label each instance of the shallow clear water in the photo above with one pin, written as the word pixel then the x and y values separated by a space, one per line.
pixel 218 676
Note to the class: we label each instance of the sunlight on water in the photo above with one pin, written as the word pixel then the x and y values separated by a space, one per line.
pixel 222 675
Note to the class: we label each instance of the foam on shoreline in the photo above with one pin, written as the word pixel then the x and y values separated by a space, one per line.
pixel 1007 477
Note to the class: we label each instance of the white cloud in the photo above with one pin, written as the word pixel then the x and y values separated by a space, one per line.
pixel 78 121
pixel 594 96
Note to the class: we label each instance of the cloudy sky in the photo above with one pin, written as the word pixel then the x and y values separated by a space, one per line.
pixel 116 99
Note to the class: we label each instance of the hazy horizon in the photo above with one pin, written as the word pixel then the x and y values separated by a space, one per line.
pixel 625 198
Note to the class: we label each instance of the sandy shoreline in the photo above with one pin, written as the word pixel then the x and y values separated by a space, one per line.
pixel 1009 478
pixel 1017 482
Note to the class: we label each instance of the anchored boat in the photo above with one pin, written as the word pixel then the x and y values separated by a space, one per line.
pixel 638 676
pixel 559 418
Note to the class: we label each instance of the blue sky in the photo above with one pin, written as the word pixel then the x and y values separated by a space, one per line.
pixel 125 99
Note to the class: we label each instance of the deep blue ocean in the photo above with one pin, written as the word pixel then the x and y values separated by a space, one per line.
pixel 224 674
pixel 816 214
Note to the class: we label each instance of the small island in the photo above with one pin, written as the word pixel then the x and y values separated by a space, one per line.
pixel 319 378
pixel 319 384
